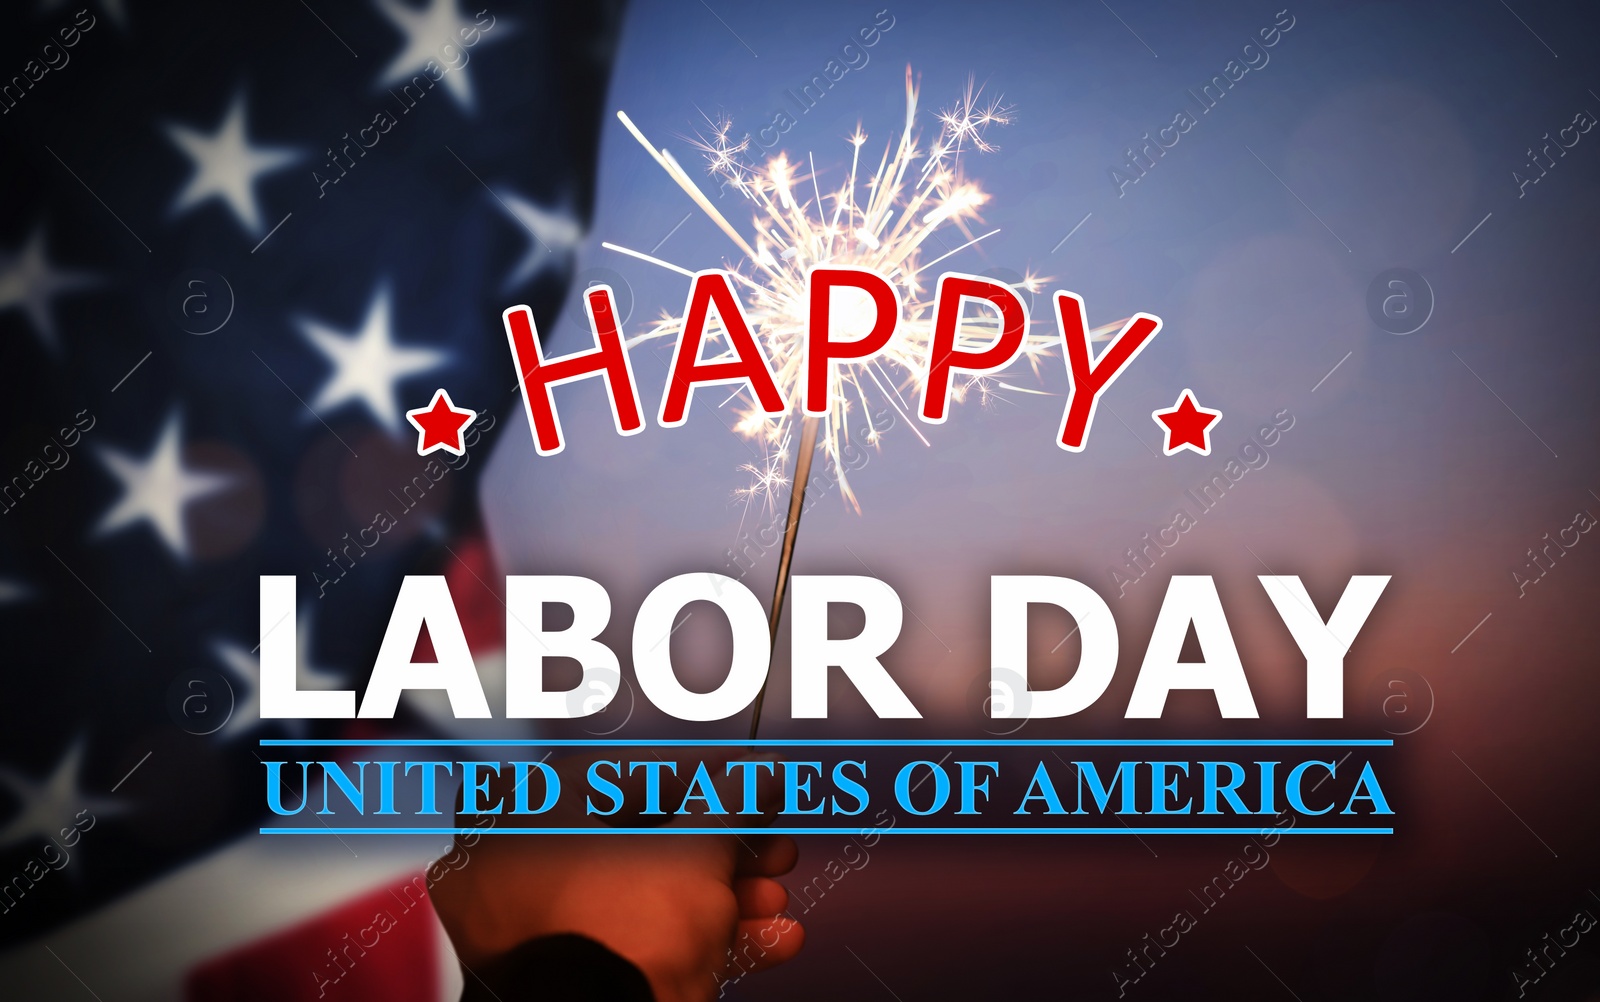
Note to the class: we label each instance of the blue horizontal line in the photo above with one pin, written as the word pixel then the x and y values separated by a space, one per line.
pixel 667 830
pixel 829 743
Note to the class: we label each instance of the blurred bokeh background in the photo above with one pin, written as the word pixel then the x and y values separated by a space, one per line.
pixel 1447 442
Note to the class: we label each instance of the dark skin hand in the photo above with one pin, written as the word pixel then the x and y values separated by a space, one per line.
pixel 671 904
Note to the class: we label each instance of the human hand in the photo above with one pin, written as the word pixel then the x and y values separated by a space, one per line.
pixel 672 904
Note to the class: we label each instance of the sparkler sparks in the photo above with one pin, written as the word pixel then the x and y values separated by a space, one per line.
pixel 885 221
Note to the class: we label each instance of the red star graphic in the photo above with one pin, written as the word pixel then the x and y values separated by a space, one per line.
pixel 440 425
pixel 1186 423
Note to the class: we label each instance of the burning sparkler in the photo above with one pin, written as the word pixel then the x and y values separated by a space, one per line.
pixel 884 223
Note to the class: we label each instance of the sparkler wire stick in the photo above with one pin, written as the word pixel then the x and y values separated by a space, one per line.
pixel 791 529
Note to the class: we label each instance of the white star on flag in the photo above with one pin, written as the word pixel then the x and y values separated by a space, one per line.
pixel 245 668
pixel 552 236
pixel 157 488
pixel 227 166
pixel 28 283
pixel 51 805
pixel 367 363
pixel 427 31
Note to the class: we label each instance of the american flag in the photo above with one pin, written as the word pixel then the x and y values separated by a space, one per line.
pixel 237 242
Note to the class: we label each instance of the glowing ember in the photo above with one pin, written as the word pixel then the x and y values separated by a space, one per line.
pixel 885 222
